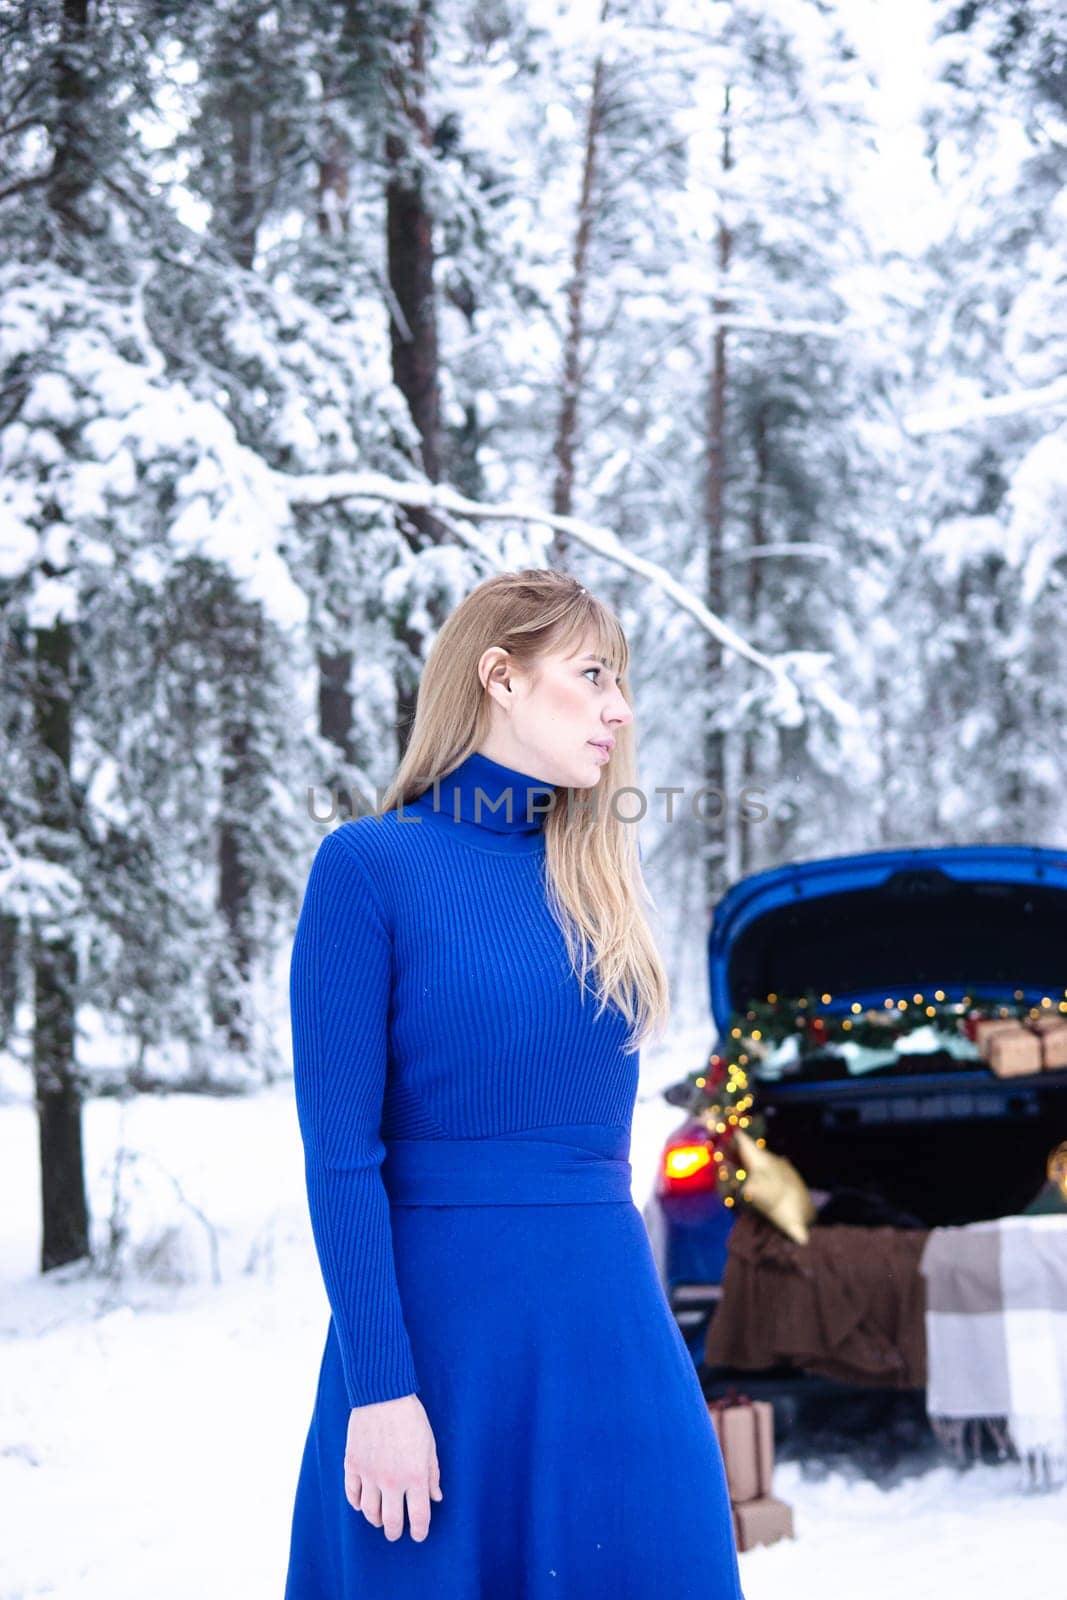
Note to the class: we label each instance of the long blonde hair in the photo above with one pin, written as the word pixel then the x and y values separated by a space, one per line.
pixel 596 889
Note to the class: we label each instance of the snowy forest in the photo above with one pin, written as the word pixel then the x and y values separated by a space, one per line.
pixel 314 313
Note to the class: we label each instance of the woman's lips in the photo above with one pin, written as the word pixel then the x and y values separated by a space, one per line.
pixel 604 749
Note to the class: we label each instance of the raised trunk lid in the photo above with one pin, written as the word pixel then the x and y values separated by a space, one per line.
pixel 978 919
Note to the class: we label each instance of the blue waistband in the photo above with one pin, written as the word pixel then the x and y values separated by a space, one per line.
pixel 539 1166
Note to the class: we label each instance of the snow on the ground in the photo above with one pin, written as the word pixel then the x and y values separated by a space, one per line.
pixel 151 1423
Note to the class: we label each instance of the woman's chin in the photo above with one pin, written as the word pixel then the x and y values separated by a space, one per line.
pixel 582 780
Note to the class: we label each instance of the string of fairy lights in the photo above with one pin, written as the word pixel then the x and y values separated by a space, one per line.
pixel 723 1098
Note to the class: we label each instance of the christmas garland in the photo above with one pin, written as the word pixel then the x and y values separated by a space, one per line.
pixel 722 1096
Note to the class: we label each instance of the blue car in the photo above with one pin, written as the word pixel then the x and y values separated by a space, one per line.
pixel 936 1136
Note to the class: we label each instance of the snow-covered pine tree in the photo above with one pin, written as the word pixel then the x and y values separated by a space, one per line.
pixel 66 148
pixel 988 588
pixel 163 689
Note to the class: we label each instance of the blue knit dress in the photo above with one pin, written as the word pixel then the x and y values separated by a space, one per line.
pixel 466 1130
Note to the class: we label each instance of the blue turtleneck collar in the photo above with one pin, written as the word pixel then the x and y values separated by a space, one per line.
pixel 487 802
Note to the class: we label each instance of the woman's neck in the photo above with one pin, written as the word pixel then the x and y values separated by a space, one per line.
pixel 488 803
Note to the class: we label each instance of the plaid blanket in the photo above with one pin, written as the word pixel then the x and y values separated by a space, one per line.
pixel 996 1336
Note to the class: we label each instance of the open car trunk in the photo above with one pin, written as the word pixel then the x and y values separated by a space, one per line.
pixel 926 1134
pixel 932 1158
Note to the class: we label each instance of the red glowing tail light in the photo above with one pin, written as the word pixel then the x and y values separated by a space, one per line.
pixel 687 1166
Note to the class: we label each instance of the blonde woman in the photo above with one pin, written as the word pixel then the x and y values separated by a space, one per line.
pixel 506 1409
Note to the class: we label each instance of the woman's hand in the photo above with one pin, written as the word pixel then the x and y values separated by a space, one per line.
pixel 389 1453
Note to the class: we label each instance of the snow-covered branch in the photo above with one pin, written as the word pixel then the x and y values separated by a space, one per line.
pixel 795 325
pixel 319 489
pixel 943 419
pixel 791 547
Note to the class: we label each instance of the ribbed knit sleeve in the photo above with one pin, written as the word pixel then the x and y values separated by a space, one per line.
pixel 339 989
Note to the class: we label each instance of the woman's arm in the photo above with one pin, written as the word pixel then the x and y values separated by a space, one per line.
pixel 339 982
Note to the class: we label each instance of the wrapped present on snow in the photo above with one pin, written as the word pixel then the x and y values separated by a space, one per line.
pixel 745 1430
pixel 1015 1052
pixel 746 1438
pixel 762 1521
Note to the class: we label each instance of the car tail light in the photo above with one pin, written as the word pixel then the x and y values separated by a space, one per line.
pixel 688 1166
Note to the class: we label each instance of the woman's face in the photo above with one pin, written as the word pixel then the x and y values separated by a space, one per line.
pixel 560 722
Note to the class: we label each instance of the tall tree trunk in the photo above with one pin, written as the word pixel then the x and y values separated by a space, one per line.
pixel 241 219
pixel 10 924
pixel 71 172
pixel 237 754
pixel 884 801
pixel 240 784
pixel 234 883
pixel 53 957
pixel 9 975
pixel 336 723
pixel 65 1211
pixel 753 595
pixel 567 426
pixel 409 244
pixel 335 667
pixel 715 776
pixel 332 209
pixel 792 747
pixel 412 323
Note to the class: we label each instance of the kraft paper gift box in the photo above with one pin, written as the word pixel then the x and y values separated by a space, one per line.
pixel 986 1029
pixel 1052 1031
pixel 745 1429
pixel 1013 1055
pixel 762 1521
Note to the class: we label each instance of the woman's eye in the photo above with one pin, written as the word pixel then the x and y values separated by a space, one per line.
pixel 592 669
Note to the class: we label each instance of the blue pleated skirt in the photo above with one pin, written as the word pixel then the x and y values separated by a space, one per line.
pixel 576 1453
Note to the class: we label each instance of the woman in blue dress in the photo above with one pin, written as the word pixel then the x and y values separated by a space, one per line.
pixel 505 1409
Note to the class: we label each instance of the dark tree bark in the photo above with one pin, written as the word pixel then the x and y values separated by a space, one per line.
pixel 714 850
pixel 336 721
pixel 71 172
pixel 335 666
pixel 567 426
pixel 9 949
pixel 409 247
pixel 332 190
pixel 64 1206
pixel 53 957
pixel 413 322
pixel 242 222
pixel 753 596
pixel 13 662
pixel 241 626
pixel 241 774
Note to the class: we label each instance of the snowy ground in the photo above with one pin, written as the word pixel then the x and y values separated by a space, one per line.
pixel 151 1424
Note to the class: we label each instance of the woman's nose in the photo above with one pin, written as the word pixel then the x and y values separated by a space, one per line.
pixel 622 711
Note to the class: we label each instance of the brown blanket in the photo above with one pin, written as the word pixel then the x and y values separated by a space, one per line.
pixel 848 1305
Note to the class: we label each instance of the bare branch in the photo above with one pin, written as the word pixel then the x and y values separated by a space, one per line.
pixel 34 180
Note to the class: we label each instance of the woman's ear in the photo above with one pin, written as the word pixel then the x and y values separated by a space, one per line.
pixel 495 671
